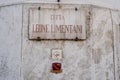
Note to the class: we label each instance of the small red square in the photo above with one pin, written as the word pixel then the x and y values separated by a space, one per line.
pixel 56 66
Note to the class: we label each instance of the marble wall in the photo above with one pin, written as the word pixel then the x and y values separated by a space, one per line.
pixel 116 32
pixel 10 42
pixel 91 59
pixel 96 58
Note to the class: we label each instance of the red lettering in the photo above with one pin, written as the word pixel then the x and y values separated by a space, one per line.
pixel 56 17
pixel 39 28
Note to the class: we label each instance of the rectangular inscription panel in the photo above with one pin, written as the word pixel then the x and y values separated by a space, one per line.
pixel 57 23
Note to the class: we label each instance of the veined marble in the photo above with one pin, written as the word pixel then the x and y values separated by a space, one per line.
pixel 96 58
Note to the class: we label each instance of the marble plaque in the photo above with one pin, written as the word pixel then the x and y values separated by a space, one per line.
pixel 57 23
pixel 56 54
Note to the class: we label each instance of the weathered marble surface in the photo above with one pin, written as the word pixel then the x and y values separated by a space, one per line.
pixel 113 4
pixel 91 59
pixel 96 58
pixel 102 45
pixel 76 63
pixel 10 42
pixel 116 32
